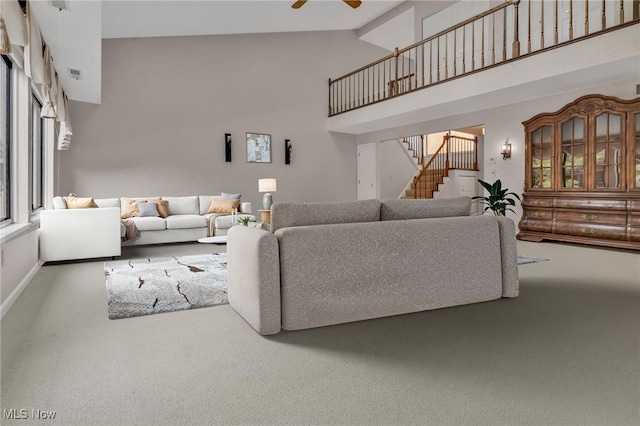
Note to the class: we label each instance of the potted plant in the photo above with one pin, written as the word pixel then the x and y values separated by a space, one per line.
pixel 499 200
pixel 244 220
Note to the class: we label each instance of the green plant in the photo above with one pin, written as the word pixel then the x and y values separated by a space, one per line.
pixel 244 220
pixel 499 200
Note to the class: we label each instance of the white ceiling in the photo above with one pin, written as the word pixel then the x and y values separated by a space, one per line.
pixel 75 35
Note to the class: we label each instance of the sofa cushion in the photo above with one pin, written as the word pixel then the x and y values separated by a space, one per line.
pixel 186 221
pixel 284 215
pixel 58 203
pixel 205 202
pixel 394 209
pixel 162 206
pixel 107 202
pixel 224 206
pixel 182 205
pixel 128 208
pixel 75 202
pixel 227 196
pixel 150 223
pixel 148 210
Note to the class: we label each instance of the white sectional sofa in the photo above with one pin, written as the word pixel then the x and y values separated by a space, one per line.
pixel 82 233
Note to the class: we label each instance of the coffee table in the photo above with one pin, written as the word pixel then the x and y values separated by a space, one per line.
pixel 220 239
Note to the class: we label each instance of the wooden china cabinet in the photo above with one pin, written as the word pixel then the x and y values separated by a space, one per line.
pixel 582 177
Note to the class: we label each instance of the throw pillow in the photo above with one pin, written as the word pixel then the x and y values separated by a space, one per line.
pixel 75 202
pixel 224 206
pixel 162 206
pixel 226 196
pixel 148 210
pixel 129 208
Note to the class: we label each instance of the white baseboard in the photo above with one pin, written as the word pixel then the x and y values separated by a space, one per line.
pixel 8 303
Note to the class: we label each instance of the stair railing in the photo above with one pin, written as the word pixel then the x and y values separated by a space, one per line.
pixel 415 144
pixel 487 40
pixel 455 152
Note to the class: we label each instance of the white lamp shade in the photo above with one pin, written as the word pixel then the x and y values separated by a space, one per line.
pixel 266 185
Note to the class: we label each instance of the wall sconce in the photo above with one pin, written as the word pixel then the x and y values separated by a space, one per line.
pixel 506 150
pixel 227 147
pixel 287 151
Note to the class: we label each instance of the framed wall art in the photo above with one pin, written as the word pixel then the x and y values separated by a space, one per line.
pixel 258 148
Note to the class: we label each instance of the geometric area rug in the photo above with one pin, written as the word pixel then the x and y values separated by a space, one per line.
pixel 522 260
pixel 151 286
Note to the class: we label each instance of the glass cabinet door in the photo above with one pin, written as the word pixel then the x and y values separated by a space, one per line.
pixel 572 157
pixel 541 157
pixel 608 151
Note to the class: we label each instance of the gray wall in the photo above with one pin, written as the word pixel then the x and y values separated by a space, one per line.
pixel 167 102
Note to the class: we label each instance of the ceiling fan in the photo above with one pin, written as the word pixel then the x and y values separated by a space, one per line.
pixel 353 3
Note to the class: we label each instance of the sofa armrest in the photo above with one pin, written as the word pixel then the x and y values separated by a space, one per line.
pixel 509 256
pixel 253 271
pixel 79 233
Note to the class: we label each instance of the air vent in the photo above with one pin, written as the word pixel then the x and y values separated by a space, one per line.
pixel 75 74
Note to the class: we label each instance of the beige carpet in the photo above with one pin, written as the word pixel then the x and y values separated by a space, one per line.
pixel 566 352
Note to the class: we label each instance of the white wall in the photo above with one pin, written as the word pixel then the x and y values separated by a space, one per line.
pixel 19 260
pixel 500 124
pixel 395 168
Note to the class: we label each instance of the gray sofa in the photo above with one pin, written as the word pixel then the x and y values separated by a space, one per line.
pixel 331 263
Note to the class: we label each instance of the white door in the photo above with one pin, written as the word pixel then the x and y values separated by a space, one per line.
pixel 367 180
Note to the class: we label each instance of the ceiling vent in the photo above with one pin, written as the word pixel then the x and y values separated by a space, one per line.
pixel 59 4
pixel 75 74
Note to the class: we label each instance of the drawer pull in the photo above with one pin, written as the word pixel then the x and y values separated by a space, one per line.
pixel 589 216
pixel 584 231
pixel 539 214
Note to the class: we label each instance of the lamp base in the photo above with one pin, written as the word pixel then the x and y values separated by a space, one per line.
pixel 267 201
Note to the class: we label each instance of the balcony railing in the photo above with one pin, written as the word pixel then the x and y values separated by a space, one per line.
pixel 486 40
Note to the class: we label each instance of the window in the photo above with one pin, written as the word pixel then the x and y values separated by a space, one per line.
pixel 5 149
pixel 37 155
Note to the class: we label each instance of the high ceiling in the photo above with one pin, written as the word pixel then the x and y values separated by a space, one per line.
pixel 75 35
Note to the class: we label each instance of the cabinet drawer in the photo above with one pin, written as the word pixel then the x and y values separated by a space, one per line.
pixel 591 230
pixel 581 203
pixel 635 234
pixel 537 202
pixel 634 205
pixel 634 219
pixel 536 225
pixel 538 214
pixel 591 217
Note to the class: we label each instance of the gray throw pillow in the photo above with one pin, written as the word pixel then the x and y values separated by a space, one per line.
pixel 226 196
pixel 148 210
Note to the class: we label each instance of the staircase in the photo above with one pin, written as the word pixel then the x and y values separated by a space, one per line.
pixel 454 153
pixel 425 184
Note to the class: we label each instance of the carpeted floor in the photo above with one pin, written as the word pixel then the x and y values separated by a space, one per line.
pixel 565 352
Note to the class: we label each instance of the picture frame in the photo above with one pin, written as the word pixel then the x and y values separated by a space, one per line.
pixel 258 148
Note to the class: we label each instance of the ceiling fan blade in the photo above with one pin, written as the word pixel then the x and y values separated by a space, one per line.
pixel 298 4
pixel 353 3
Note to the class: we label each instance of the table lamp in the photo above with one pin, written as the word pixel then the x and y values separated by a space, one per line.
pixel 267 186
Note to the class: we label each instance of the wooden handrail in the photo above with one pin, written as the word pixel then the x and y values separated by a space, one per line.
pixel 455 152
pixel 430 61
